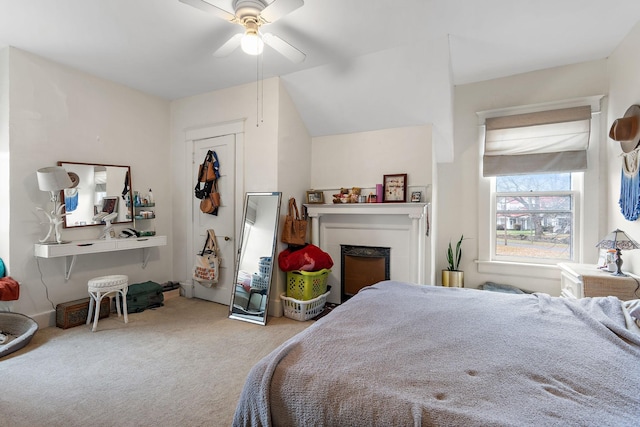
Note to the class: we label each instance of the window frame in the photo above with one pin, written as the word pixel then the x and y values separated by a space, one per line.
pixel 576 192
pixel 587 208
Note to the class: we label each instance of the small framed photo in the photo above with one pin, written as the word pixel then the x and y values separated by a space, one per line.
pixel 416 196
pixel 315 197
pixel 395 188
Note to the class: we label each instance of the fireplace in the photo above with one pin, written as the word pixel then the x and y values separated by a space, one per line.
pixel 362 266
pixel 400 227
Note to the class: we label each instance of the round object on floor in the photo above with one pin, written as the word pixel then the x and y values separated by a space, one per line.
pixel 19 330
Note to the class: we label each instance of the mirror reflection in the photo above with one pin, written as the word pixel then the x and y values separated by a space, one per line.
pixel 254 266
pixel 98 191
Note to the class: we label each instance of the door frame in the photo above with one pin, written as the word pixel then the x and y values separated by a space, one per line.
pixel 192 135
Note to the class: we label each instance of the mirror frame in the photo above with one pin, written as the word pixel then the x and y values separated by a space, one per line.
pixel 129 208
pixel 241 246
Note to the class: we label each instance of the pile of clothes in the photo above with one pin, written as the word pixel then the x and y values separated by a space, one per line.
pixel 304 258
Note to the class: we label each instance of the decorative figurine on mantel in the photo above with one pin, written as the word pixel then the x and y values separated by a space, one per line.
pixel 347 196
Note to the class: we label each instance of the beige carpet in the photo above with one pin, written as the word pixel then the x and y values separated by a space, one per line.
pixel 183 364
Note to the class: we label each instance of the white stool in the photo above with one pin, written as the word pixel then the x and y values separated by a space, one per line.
pixel 100 287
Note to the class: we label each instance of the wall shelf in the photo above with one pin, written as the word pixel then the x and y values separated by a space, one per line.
pixel 83 247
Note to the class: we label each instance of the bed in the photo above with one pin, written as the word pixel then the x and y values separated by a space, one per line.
pixel 399 354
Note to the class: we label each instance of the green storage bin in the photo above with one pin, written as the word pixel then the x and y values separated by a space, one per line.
pixel 307 285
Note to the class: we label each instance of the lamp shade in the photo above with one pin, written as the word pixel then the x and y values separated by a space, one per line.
pixel 617 239
pixel 53 178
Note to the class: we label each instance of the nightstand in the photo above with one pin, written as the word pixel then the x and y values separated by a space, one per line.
pixel 587 280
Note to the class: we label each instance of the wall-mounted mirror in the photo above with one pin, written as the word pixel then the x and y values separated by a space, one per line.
pixel 98 190
pixel 256 257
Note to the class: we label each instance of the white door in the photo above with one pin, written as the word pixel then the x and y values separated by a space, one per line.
pixel 224 223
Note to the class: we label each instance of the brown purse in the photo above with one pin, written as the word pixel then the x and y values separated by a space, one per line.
pixel 210 174
pixel 294 231
pixel 207 205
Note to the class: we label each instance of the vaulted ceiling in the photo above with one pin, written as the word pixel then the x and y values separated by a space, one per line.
pixel 370 64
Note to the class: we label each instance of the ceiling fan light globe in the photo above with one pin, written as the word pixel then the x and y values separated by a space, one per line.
pixel 252 44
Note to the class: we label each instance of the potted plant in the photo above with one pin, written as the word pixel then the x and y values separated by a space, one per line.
pixel 452 276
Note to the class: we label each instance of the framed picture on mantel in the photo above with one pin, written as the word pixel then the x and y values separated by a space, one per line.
pixel 315 197
pixel 395 188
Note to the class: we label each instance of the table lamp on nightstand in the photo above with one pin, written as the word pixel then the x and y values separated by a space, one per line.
pixel 618 240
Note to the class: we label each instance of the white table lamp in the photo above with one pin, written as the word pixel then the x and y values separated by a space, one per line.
pixel 54 179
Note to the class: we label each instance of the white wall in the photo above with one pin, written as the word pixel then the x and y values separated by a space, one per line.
pixel 624 69
pixel 4 155
pixel 60 114
pixel 361 159
pixel 458 195
pixel 294 165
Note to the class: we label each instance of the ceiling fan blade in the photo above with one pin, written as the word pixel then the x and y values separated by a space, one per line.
pixel 229 46
pixel 284 48
pixel 209 8
pixel 279 8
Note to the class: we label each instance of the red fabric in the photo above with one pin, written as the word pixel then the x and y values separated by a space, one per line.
pixel 308 258
pixel 9 289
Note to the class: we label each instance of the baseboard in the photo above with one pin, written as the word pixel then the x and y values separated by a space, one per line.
pixel 174 293
pixel 275 308
pixel 45 319
pixel 186 289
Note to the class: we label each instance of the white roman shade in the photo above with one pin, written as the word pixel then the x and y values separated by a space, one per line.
pixel 545 141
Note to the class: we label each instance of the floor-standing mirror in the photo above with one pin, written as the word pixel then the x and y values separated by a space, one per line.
pixel 256 257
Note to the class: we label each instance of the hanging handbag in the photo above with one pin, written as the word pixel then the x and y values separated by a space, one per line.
pixel 210 174
pixel 206 268
pixel 211 201
pixel 207 205
pixel 206 175
pixel 294 231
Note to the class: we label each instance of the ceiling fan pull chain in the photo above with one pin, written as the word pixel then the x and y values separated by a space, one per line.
pixel 258 90
pixel 262 88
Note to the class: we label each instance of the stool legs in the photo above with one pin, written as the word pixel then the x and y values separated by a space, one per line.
pixel 90 313
pixel 94 303
pixel 117 299
pixel 97 311
pixel 123 295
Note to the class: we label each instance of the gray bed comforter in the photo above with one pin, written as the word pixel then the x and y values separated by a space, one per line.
pixel 399 354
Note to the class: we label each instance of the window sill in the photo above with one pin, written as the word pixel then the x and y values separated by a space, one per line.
pixel 546 271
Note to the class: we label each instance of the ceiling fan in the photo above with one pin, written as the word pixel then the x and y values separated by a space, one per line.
pixel 252 14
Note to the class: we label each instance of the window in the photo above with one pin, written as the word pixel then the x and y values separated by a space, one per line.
pixel 534 217
pixel 536 163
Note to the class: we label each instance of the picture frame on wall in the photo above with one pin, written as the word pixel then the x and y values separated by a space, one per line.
pixel 395 188
pixel 315 197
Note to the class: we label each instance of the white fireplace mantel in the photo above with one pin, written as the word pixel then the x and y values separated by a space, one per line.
pixel 415 214
pixel 413 210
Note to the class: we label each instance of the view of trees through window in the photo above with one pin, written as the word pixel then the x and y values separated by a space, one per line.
pixel 534 216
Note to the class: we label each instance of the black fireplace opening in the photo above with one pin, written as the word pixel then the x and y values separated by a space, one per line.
pixel 362 266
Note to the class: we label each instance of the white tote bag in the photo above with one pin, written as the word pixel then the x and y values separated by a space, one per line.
pixel 206 268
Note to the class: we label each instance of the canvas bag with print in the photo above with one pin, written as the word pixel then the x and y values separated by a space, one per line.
pixel 206 268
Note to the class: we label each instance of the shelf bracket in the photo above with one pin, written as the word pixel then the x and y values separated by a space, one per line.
pixel 70 261
pixel 145 256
